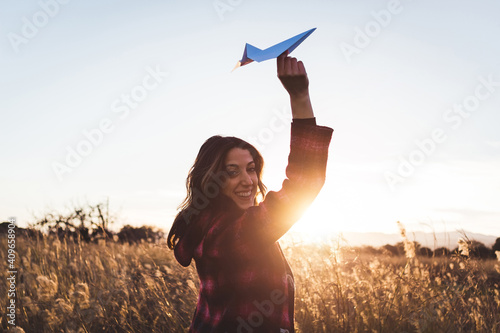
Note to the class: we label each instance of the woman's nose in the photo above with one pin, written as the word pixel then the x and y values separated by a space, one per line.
pixel 246 179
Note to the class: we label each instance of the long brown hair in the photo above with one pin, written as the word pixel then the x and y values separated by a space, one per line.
pixel 205 179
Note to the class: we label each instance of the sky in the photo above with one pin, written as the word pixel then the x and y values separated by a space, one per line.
pixel 112 100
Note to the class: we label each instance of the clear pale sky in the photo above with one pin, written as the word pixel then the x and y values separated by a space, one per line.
pixel 412 89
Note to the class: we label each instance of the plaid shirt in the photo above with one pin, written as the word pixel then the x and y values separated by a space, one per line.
pixel 246 284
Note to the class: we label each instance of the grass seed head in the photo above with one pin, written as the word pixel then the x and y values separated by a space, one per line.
pixel 47 288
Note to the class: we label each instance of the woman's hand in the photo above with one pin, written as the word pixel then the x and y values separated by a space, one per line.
pixel 293 76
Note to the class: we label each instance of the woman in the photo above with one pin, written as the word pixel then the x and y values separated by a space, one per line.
pixel 246 284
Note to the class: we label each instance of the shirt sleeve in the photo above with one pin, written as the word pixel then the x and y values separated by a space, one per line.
pixel 264 224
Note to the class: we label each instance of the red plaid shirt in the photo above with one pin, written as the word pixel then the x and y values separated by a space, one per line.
pixel 246 284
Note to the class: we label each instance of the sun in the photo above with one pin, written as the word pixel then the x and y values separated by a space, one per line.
pixel 317 224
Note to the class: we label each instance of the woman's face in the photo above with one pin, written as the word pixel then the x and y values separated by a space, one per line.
pixel 241 183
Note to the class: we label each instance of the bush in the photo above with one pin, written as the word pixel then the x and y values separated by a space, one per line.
pixel 135 235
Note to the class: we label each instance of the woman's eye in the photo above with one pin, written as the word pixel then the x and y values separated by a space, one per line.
pixel 232 173
pixel 251 170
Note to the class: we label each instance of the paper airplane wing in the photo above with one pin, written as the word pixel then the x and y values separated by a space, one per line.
pixel 252 53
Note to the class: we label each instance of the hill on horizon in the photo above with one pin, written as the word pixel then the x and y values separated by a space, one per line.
pixel 430 240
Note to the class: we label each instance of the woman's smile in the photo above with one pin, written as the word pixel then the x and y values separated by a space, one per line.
pixel 244 194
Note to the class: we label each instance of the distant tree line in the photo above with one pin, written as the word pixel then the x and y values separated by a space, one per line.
pixel 88 223
pixel 475 250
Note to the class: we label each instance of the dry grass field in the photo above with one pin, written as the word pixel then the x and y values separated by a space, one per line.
pixel 113 287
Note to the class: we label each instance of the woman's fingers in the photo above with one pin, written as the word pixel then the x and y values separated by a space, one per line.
pixel 289 66
pixel 293 66
pixel 301 68
pixel 281 62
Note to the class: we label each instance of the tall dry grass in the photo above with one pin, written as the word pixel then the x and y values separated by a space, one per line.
pixel 342 291
pixel 112 287
pixel 106 287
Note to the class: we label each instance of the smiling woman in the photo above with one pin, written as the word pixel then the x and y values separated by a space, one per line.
pixel 246 284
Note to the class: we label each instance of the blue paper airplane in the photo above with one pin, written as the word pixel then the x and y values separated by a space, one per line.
pixel 253 53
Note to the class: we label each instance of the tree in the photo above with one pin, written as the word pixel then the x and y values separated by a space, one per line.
pixel 442 252
pixel 424 252
pixel 496 246
pixel 392 250
pixel 87 222
pixel 474 249
pixel 134 235
pixel 479 250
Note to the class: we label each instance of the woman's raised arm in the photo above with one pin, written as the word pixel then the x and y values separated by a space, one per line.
pixel 261 226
